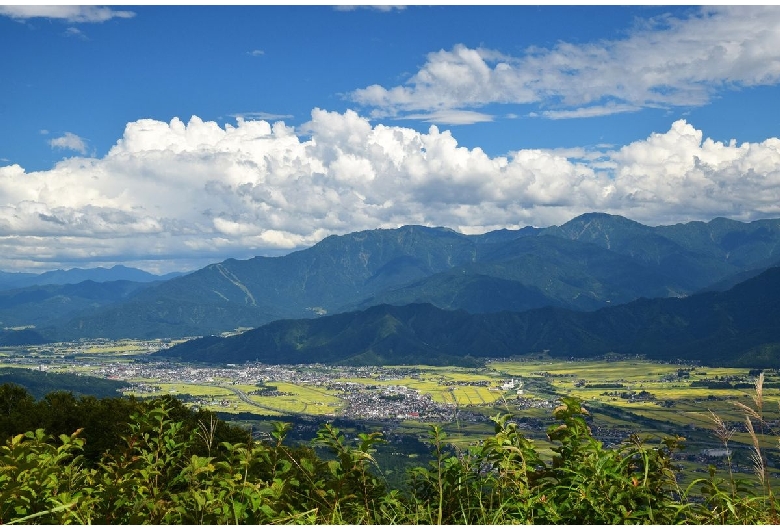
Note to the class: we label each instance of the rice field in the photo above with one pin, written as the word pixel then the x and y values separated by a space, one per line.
pixel 444 384
pixel 464 396
pixel 672 399
pixel 602 371
pixel 215 398
pixel 300 399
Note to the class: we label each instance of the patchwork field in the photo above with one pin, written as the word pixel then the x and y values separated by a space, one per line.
pixel 624 396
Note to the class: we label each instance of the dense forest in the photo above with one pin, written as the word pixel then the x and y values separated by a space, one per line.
pixel 84 460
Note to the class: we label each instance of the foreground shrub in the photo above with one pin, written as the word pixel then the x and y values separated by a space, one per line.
pixel 165 472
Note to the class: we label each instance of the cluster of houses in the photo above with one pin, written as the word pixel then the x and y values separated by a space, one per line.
pixel 391 402
pixel 377 400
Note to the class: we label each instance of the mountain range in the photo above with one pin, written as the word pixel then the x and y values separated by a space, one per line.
pixel 595 261
pixel 38 306
pixel 738 327
pixel 30 300
pixel 15 280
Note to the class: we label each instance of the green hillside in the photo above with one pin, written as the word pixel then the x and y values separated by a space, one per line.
pixel 39 383
pixel 738 327
pixel 42 305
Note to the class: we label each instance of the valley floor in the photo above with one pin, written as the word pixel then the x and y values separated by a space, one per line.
pixel 624 396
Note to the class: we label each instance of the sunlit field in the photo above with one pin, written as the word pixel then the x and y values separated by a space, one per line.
pixel 300 399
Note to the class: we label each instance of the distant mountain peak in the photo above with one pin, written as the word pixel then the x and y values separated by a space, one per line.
pixel 600 228
pixel 603 220
pixel 600 215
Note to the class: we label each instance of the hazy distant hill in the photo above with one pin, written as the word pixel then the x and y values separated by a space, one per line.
pixel 737 327
pixel 9 280
pixel 593 261
pixel 43 305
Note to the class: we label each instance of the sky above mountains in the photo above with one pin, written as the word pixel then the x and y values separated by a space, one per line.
pixel 167 138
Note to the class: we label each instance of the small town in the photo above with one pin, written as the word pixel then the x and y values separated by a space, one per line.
pixel 365 392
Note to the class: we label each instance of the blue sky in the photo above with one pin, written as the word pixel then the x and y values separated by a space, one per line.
pixel 172 137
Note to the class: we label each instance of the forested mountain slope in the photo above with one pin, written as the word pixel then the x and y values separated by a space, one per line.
pixel 593 261
pixel 738 327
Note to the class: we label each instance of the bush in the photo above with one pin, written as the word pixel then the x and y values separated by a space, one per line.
pixel 165 472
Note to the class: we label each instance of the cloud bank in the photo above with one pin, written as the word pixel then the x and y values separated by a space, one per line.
pixel 667 62
pixel 173 195
pixel 75 14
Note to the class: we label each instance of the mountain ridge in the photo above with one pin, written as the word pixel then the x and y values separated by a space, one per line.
pixel 737 326
pixel 18 280
pixel 592 261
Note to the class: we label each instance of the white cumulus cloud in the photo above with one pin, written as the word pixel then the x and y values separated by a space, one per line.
pixel 179 195
pixel 665 62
